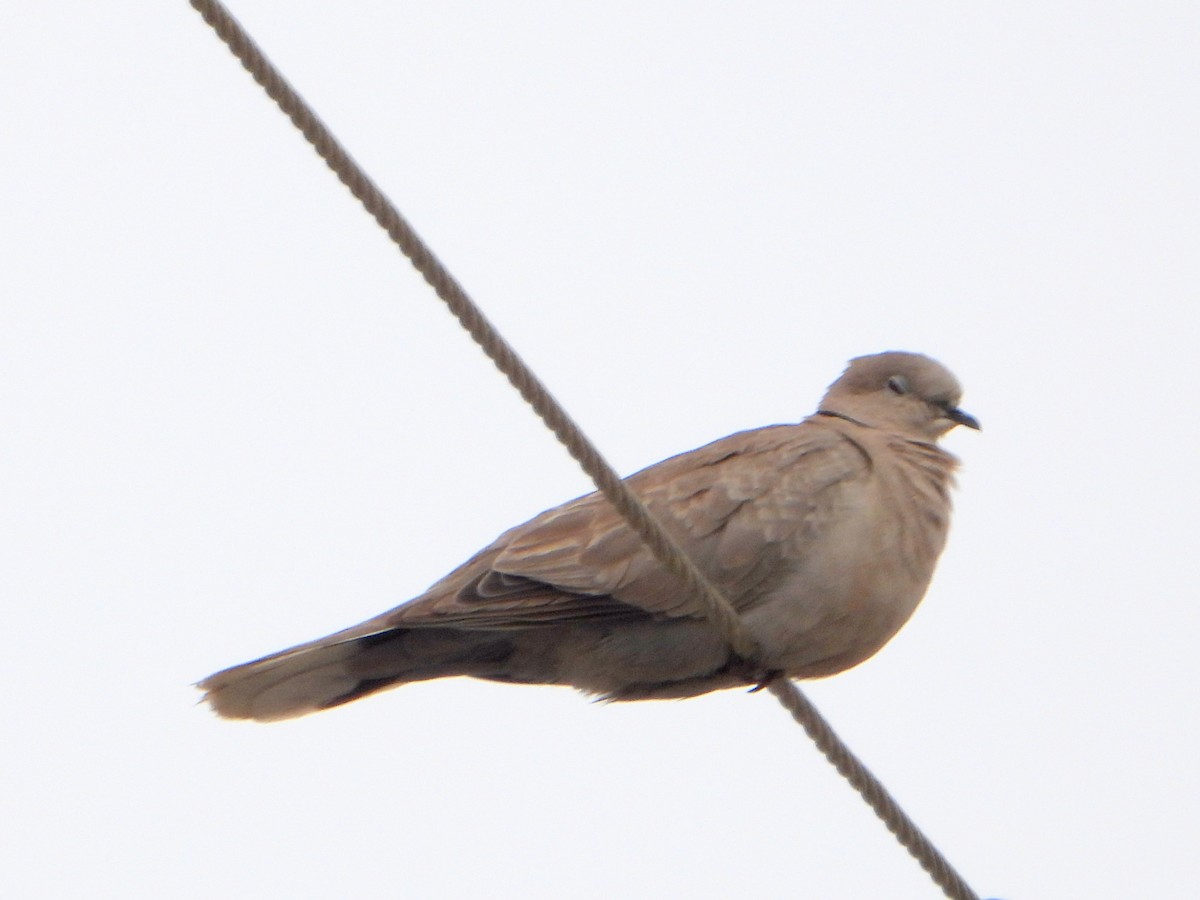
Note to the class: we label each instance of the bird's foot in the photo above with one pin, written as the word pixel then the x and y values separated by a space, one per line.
pixel 752 673
pixel 769 678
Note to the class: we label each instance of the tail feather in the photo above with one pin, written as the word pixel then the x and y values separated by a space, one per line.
pixel 338 669
pixel 283 685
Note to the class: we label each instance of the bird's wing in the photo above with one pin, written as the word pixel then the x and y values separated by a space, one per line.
pixel 740 507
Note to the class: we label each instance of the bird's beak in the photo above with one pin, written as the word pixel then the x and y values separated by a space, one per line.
pixel 958 417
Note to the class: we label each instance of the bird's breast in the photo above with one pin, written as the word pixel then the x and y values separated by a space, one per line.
pixel 861 571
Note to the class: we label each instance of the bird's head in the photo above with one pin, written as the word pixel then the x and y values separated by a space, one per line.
pixel 904 392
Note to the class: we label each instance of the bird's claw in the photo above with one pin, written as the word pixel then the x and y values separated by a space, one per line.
pixel 768 678
pixel 752 673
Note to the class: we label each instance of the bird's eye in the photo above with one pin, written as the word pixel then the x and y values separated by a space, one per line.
pixel 898 384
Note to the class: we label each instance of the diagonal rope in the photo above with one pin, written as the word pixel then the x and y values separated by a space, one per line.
pixel 871 789
pixel 714 606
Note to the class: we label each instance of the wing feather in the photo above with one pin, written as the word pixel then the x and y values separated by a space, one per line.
pixel 736 506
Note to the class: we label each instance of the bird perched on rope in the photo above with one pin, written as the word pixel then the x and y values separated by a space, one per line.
pixel 822 535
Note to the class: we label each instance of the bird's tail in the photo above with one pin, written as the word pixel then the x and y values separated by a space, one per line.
pixel 340 668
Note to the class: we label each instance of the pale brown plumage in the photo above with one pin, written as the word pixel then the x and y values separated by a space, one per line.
pixel 822 535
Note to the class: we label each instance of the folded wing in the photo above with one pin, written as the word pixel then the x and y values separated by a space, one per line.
pixel 736 506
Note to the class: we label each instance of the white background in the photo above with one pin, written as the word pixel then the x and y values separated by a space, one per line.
pixel 233 419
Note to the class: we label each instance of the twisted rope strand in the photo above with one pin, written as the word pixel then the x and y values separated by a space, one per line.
pixel 872 791
pixel 715 607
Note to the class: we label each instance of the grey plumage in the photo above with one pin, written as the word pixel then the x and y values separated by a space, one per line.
pixel 823 535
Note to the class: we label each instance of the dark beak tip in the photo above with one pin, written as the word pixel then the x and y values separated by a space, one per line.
pixel 965 419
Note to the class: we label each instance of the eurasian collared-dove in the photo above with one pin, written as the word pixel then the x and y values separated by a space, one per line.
pixel 822 535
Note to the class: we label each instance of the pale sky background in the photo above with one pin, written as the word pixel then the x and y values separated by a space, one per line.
pixel 235 419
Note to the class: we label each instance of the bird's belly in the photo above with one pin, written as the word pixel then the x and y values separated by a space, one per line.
pixel 822 621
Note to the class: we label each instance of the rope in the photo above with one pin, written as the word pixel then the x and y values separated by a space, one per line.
pixel 714 606
pixel 872 791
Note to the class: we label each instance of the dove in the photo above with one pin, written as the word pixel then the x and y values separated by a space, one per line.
pixel 823 535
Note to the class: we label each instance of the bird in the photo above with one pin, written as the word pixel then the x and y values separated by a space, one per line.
pixel 823 536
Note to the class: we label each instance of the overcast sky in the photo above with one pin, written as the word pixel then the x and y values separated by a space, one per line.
pixel 235 419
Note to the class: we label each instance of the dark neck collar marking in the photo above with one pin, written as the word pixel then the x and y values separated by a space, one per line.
pixel 838 415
